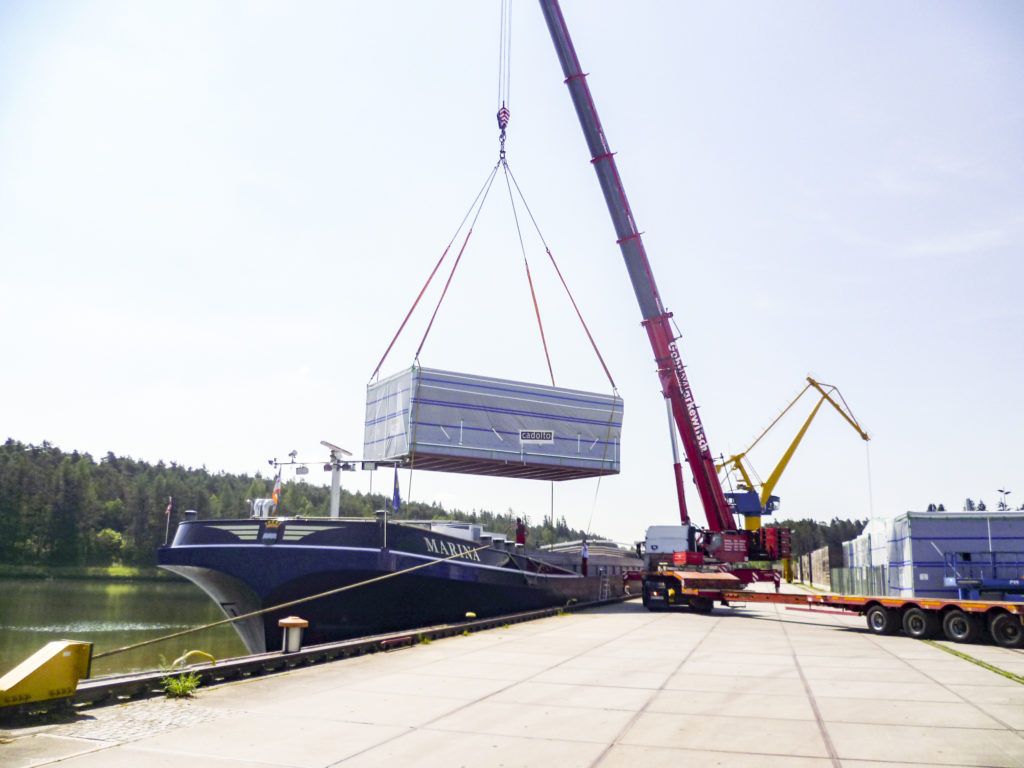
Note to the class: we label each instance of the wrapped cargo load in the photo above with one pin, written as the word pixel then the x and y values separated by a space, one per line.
pixel 922 554
pixel 456 422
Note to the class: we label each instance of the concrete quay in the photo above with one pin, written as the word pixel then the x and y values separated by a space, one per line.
pixel 616 686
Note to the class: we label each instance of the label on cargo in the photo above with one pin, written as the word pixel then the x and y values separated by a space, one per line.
pixel 541 436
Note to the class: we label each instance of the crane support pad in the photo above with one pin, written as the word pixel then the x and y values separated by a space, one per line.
pixel 456 422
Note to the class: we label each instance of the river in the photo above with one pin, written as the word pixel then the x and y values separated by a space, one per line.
pixel 110 615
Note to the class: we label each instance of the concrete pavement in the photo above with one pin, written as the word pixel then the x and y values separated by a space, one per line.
pixel 758 685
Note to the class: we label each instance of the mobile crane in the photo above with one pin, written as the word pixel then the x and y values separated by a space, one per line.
pixel 723 541
pixel 664 584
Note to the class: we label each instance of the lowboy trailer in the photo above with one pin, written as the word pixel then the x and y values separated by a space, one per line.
pixel 962 621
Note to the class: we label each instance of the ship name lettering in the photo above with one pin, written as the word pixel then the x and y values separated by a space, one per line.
pixel 450 549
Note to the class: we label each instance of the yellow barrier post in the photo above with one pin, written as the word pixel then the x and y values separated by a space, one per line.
pixel 50 673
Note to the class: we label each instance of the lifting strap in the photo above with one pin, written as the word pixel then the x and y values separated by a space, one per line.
pixel 526 263
pixel 540 235
pixel 482 198
pixel 477 204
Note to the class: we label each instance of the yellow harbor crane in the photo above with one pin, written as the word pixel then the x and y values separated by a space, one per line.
pixel 752 504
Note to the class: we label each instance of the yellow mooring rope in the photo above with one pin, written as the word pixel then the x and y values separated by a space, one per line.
pixel 284 605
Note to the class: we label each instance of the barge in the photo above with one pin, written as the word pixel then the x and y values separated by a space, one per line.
pixel 361 576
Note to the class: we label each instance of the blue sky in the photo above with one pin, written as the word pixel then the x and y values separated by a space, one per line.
pixel 213 216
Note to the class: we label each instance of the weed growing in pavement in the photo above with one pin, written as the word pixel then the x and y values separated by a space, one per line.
pixel 180 686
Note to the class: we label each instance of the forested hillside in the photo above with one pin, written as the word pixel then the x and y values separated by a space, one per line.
pixel 60 508
pixel 809 535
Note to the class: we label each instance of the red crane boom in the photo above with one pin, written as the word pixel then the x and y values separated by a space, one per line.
pixel 674 384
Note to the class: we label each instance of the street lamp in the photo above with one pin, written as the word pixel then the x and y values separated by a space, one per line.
pixel 1002 503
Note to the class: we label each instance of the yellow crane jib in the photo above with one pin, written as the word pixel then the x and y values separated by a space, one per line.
pixel 753 504
pixel 50 673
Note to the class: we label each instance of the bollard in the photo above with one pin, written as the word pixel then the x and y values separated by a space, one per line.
pixel 292 627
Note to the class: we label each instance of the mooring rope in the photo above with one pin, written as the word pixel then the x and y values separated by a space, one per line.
pixel 233 619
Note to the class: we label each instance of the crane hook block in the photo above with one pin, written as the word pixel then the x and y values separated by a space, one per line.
pixel 503 117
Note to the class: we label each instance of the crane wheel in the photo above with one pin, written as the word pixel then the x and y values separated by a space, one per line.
pixel 881 620
pixel 1007 630
pixel 920 624
pixel 961 627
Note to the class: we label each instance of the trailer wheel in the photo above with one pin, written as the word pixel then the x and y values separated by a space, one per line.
pixel 919 623
pixel 881 620
pixel 961 627
pixel 1006 629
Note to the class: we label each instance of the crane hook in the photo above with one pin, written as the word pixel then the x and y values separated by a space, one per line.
pixel 503 117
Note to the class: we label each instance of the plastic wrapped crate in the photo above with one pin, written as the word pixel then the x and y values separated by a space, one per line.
pixel 456 422
pixel 923 543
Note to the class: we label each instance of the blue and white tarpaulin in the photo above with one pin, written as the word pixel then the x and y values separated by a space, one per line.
pixel 917 549
pixel 456 422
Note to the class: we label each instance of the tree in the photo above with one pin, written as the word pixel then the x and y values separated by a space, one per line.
pixel 72 505
pixel 969 505
pixel 257 489
pixel 108 546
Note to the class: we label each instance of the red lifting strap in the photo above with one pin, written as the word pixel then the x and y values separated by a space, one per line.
pixel 448 282
pixel 478 205
pixel 411 309
pixel 560 277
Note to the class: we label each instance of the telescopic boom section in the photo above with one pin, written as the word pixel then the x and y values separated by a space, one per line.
pixel 674 384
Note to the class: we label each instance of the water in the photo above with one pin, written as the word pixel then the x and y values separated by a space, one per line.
pixel 110 615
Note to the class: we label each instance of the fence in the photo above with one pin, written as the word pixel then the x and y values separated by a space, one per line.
pixel 867 580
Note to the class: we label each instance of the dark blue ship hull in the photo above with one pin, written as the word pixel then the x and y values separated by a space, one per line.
pixel 377 577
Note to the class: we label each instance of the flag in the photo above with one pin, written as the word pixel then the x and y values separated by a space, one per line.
pixel 277 489
pixel 395 500
pixel 168 510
